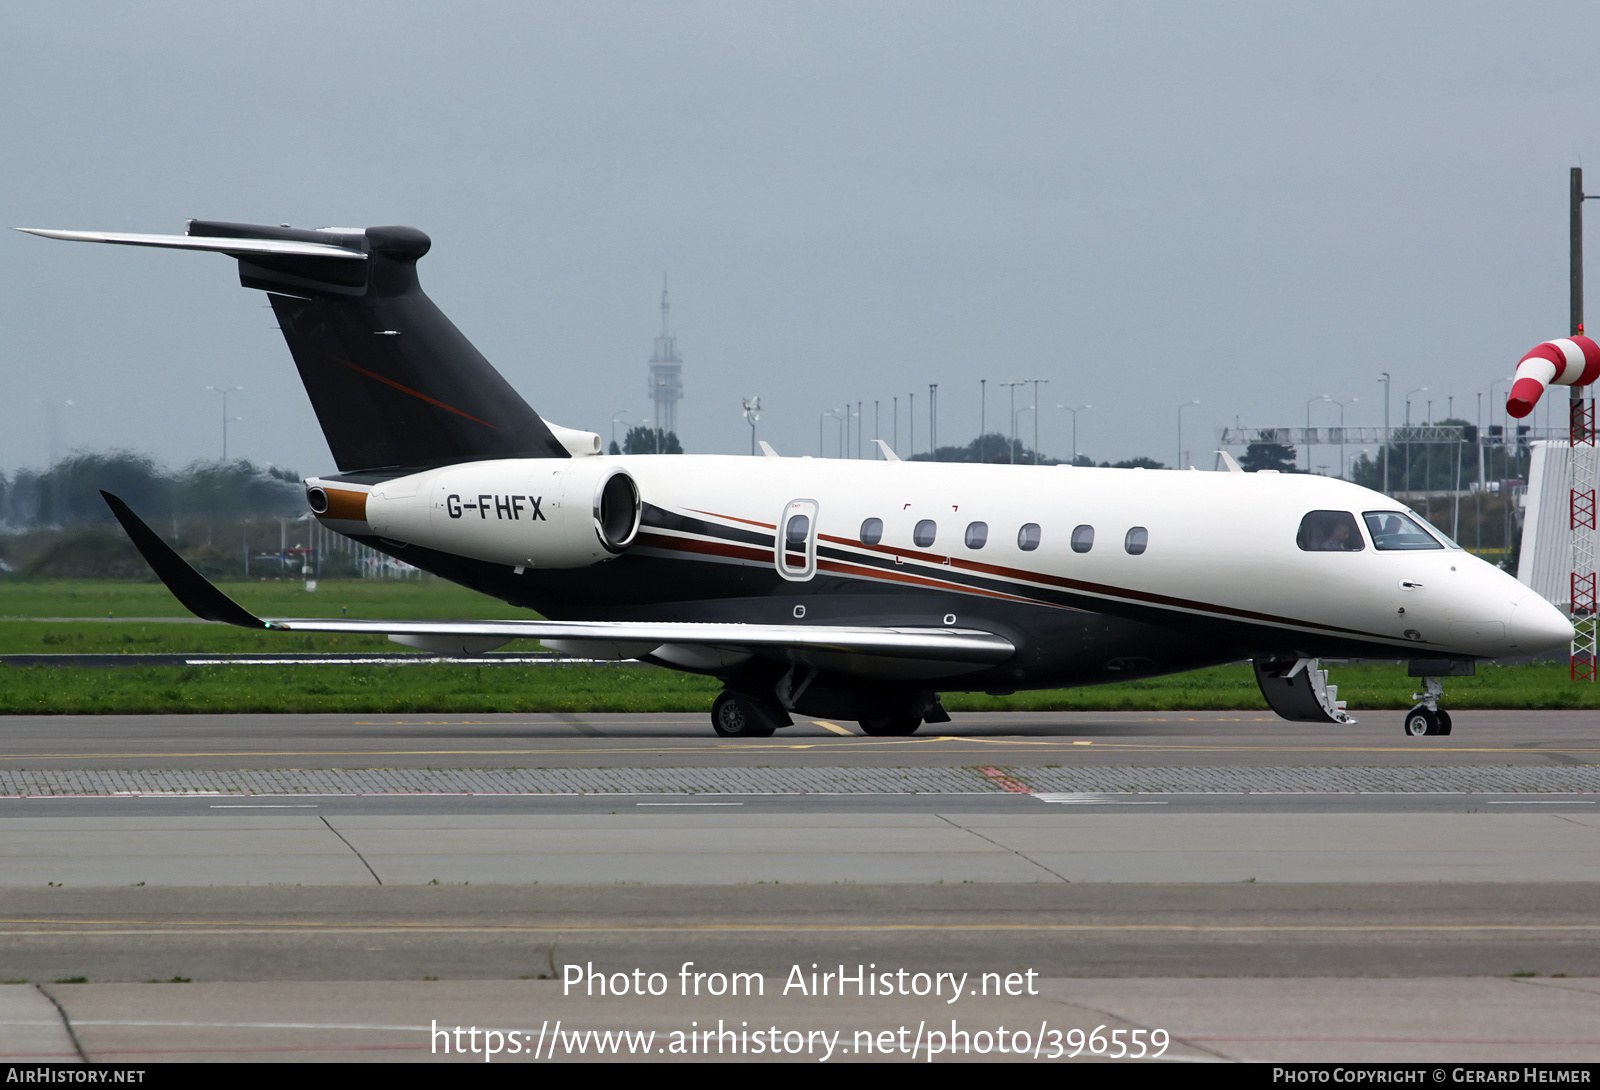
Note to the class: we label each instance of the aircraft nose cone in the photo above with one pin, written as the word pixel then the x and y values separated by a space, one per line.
pixel 1536 625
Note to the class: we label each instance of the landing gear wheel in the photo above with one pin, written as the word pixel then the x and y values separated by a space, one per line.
pixel 732 718
pixel 1423 720
pixel 1444 721
pixel 891 726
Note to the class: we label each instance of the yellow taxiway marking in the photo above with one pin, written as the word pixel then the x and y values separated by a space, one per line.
pixel 834 727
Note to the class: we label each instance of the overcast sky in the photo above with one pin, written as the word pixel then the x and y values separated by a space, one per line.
pixel 1146 204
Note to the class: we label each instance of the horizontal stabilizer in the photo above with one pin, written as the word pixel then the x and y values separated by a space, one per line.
pixel 942 644
pixel 234 246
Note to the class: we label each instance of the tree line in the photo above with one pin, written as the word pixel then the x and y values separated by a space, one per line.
pixel 68 493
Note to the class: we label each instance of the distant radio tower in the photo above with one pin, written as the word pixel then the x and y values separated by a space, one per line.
pixel 666 373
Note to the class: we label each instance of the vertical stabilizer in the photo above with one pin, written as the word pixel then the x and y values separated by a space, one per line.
pixel 393 382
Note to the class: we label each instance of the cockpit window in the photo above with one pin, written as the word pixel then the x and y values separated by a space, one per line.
pixel 1395 530
pixel 1330 532
pixel 1434 530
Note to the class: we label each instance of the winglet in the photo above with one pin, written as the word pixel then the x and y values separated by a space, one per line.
pixel 766 449
pixel 187 585
pixel 1228 460
pixel 888 455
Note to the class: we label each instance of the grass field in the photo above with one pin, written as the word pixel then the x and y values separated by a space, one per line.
pixel 469 689
pixel 424 598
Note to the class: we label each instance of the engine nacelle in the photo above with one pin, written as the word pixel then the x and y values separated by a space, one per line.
pixel 525 512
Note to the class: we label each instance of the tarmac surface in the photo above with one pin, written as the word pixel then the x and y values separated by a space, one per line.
pixel 337 887
pixel 1020 739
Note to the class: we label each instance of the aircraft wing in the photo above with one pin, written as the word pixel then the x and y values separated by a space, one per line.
pixel 204 600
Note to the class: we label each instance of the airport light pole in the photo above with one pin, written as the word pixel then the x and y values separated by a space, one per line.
pixel 1505 420
pixel 1036 384
pixel 225 391
pixel 1418 390
pixel 618 415
pixel 752 413
pixel 55 408
pixel 1073 458
pixel 1385 381
pixel 837 414
pixel 1341 405
pixel 1012 386
pixel 1307 439
pixel 1182 407
pixel 1028 409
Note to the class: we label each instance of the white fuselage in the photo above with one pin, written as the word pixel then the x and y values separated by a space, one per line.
pixel 1217 546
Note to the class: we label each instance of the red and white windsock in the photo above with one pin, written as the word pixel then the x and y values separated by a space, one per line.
pixel 1570 361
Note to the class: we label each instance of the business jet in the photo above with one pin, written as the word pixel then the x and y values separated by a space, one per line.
pixel 856 590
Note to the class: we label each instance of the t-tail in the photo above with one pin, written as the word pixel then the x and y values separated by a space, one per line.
pixel 394 383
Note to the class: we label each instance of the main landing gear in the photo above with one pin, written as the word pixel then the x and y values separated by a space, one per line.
pixel 735 715
pixel 755 711
pixel 1427 717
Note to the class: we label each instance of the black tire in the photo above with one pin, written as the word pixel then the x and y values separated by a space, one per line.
pixel 891 726
pixel 1421 720
pixel 1444 721
pixel 733 717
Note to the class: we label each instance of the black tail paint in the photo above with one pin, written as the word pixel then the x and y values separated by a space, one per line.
pixel 393 382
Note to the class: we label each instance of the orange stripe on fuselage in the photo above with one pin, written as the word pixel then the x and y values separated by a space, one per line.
pixel 838 567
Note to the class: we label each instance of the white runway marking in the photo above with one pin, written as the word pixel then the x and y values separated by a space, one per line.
pixel 1078 798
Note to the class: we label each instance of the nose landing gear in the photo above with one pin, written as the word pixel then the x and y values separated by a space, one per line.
pixel 1427 717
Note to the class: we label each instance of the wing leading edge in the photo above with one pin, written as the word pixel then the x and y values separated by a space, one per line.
pixel 204 600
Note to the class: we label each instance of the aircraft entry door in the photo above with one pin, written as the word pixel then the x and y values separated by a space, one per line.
pixel 795 545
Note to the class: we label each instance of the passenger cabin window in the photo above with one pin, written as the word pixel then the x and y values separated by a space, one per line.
pixel 795 532
pixel 1331 532
pixel 871 531
pixel 1137 540
pixel 925 532
pixel 1082 539
pixel 1394 530
pixel 977 534
pixel 1028 537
